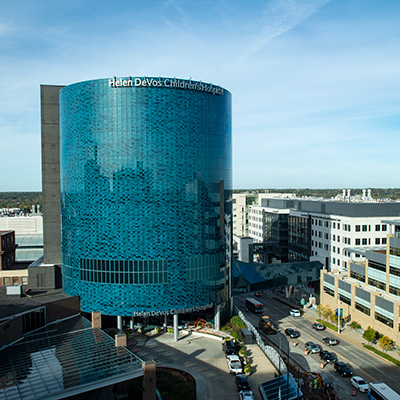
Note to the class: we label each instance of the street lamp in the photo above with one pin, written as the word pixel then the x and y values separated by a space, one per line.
pixel 338 313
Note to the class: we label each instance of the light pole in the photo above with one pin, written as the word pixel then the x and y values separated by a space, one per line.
pixel 338 313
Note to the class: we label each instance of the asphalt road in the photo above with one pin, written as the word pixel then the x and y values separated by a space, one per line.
pixel 364 364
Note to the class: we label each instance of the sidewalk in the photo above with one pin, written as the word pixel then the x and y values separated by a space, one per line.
pixel 202 357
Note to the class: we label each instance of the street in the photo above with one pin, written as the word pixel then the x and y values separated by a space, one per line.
pixel 364 364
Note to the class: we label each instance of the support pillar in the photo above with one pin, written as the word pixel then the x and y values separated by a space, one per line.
pixel 217 317
pixel 96 319
pixel 149 380
pixel 119 323
pixel 132 323
pixel 165 324
pixel 175 327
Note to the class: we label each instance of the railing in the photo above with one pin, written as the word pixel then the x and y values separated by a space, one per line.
pixel 269 351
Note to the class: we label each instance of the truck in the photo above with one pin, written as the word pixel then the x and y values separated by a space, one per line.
pixel 266 325
pixel 381 391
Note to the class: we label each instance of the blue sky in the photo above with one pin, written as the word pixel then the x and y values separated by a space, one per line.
pixel 315 83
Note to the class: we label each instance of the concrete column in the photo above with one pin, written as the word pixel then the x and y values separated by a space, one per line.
pixel 119 323
pixel 175 327
pixel 132 323
pixel 96 319
pixel 149 380
pixel 217 317
pixel 120 340
pixel 396 316
pixel 165 324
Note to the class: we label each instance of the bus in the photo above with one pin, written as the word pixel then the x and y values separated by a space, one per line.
pixel 381 391
pixel 254 305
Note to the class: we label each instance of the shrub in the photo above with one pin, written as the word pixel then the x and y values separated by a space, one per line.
pixel 355 325
pixel 385 343
pixel 235 320
pixel 236 336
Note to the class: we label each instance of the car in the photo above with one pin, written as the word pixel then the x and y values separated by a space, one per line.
pixel 258 294
pixel 330 341
pixel 318 326
pixel 292 333
pixel 234 364
pixel 325 355
pixel 229 347
pixel 246 395
pixel 359 383
pixel 242 383
pixel 343 369
pixel 312 348
pixel 295 313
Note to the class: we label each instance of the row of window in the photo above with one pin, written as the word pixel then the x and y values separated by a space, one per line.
pixel 15 280
pixel 347 227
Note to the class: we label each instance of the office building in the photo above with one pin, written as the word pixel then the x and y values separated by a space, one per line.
pixel 333 227
pixel 368 292
pixel 145 189
pixel 241 203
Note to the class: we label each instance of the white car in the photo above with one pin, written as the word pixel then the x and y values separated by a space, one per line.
pixel 295 313
pixel 359 383
pixel 246 395
pixel 234 364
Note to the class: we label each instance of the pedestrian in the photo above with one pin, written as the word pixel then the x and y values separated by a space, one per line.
pixel 310 386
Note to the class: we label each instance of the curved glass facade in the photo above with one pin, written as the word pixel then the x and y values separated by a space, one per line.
pixel 146 176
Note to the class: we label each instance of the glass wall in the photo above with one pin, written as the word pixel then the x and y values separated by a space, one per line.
pixel 146 179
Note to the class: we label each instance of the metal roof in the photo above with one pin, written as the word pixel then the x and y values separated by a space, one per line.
pixel 63 359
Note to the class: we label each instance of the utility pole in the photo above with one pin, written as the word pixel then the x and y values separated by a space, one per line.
pixel 338 311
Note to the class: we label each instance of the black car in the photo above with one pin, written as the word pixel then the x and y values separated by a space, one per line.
pixel 330 341
pixel 242 383
pixel 325 355
pixel 292 333
pixel 229 347
pixel 343 369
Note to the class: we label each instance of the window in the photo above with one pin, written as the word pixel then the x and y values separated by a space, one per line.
pixel 326 247
pixel 338 225
pixel 338 250
pixel 358 228
pixel 364 228
pixel 15 280
pixel 6 281
pixel 326 224
pixel 377 241
pixel 384 228
pixel 24 280
pixel 377 228
pixel 334 225
pixel 334 249
pixel 320 223
pixel 334 237
pixel 348 241
pixel 333 260
pixel 320 234
pixel 338 238
pixel 364 241
pixel 383 240
pixel 326 236
pixel 362 308
pixel 358 242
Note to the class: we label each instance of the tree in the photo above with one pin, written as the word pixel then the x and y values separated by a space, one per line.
pixel 320 310
pixel 385 343
pixel 369 335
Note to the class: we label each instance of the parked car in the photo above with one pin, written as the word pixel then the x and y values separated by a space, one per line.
pixel 258 294
pixel 295 313
pixel 234 364
pixel 330 341
pixel 312 347
pixel 343 369
pixel 326 356
pixel 246 395
pixel 229 347
pixel 359 383
pixel 292 333
pixel 318 326
pixel 242 383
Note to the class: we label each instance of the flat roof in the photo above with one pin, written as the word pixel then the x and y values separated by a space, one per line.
pixel 63 359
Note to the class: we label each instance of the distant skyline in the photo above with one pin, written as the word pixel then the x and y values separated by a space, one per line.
pixel 315 83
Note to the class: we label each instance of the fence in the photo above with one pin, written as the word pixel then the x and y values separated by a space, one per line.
pixel 269 351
